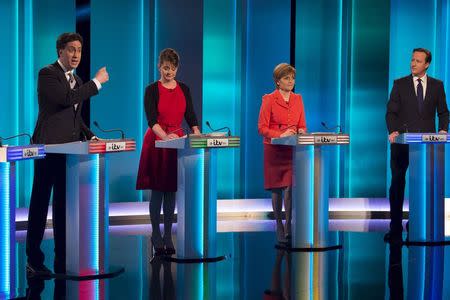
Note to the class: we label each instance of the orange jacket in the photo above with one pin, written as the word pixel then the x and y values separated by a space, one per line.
pixel 276 116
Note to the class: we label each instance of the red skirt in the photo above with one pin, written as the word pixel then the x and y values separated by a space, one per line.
pixel 277 166
pixel 157 166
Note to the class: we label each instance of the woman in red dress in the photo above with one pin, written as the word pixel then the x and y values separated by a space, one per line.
pixel 281 115
pixel 167 101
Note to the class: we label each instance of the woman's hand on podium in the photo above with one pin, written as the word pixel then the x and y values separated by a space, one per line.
pixel 170 136
pixel 196 130
pixel 288 132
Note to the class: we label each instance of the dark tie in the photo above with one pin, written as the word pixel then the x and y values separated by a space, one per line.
pixel 72 83
pixel 420 94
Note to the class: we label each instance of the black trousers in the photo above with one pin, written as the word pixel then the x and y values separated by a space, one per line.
pixel 399 166
pixel 49 173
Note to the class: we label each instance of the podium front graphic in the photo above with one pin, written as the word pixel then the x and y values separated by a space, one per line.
pixel 310 187
pixel 87 205
pixel 9 155
pixel 196 194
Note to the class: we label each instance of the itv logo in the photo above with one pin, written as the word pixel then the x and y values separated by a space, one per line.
pixel 30 152
pixel 325 139
pixel 114 147
pixel 434 138
pixel 217 142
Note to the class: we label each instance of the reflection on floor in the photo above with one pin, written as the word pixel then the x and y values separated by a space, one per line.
pixel 365 268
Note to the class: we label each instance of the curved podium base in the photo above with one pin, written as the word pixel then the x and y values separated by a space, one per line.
pixel 187 260
pixel 111 272
pixel 307 249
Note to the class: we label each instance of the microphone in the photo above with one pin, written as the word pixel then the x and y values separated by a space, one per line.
pixel 15 136
pixel 216 130
pixel 332 128
pixel 122 134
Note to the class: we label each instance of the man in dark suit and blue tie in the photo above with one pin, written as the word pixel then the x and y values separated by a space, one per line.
pixel 61 94
pixel 413 104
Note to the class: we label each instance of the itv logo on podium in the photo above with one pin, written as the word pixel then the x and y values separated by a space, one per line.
pixel 30 152
pixel 217 142
pixel 117 146
pixel 325 139
pixel 437 138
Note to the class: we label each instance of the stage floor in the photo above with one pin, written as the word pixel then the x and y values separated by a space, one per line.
pixel 254 268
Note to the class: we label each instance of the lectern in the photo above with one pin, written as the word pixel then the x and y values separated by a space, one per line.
pixel 426 186
pixel 196 194
pixel 9 155
pixel 87 201
pixel 310 187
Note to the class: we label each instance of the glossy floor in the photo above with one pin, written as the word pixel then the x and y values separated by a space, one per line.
pixel 365 268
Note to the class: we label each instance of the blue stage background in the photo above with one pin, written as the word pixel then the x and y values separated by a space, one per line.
pixel 347 54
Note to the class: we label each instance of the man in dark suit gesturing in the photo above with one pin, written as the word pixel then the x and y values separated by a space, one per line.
pixel 412 107
pixel 60 95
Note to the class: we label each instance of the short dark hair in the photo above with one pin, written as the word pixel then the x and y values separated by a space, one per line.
pixel 169 55
pixel 426 51
pixel 282 70
pixel 65 38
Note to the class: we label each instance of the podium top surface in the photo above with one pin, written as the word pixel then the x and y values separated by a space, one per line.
pixel 200 141
pixel 423 138
pixel 318 139
pixel 15 153
pixel 93 147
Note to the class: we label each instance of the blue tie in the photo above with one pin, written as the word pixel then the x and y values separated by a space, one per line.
pixel 420 95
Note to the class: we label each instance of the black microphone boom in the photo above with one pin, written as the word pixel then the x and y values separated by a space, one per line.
pixel 110 130
pixel 15 136
pixel 216 130
pixel 332 128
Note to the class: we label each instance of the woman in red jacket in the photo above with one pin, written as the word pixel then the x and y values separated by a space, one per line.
pixel 281 115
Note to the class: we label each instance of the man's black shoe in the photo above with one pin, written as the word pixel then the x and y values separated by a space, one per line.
pixel 40 271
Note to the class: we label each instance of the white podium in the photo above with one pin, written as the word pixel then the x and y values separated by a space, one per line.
pixel 87 200
pixel 196 195
pixel 310 188
pixel 9 155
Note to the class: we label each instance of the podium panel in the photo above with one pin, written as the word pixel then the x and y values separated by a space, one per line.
pixel 87 204
pixel 310 187
pixel 426 185
pixel 9 155
pixel 197 194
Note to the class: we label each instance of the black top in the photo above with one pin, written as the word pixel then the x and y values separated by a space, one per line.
pixel 151 100
pixel 403 109
pixel 58 121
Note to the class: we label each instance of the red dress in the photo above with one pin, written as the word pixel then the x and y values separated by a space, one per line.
pixel 158 166
pixel 275 117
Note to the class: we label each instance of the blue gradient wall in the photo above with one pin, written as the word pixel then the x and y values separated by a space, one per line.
pixel 221 84
pixel 121 46
pixel 265 46
pixel 347 54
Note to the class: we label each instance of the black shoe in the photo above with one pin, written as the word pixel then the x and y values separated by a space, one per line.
pixel 38 271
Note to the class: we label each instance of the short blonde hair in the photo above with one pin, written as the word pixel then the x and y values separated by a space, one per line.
pixel 282 70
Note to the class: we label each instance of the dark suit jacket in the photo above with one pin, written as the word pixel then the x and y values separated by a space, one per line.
pixel 58 121
pixel 403 110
